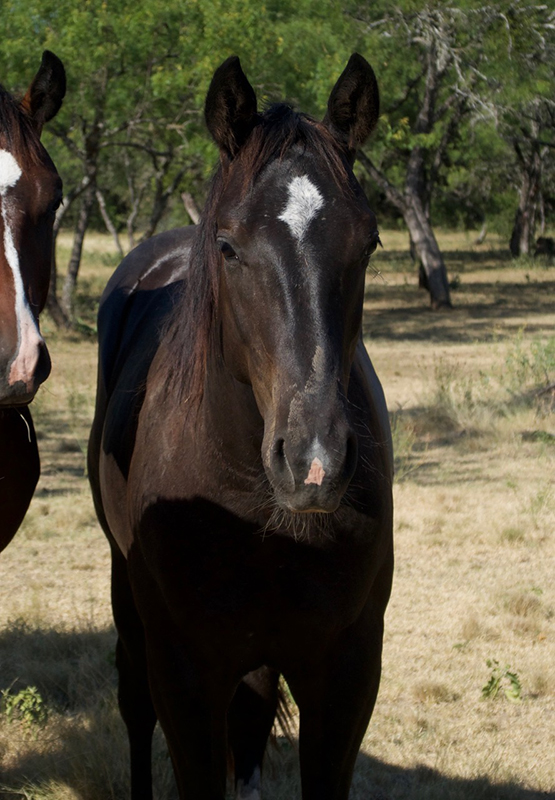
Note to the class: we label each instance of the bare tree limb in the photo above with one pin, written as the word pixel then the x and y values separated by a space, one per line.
pixel 101 200
pixel 191 207
pixel 393 195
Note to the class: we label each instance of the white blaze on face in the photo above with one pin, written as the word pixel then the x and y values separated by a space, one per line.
pixel 29 338
pixel 10 171
pixel 304 203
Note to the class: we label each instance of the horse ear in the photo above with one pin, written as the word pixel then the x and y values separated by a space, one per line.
pixel 230 108
pixel 354 105
pixel 46 92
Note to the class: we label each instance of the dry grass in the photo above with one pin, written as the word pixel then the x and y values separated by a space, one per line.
pixel 475 549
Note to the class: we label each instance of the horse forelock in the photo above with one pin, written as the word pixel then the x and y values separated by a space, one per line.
pixel 280 129
pixel 190 327
pixel 17 133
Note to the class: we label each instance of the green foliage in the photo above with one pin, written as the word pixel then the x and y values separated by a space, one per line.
pixel 404 440
pixel 138 75
pixel 530 364
pixel 26 707
pixel 504 680
pixel 460 399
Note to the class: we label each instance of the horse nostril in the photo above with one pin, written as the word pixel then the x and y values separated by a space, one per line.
pixel 44 365
pixel 280 465
pixel 279 449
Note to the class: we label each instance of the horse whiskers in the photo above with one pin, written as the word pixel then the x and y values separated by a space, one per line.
pixel 302 526
pixel 371 467
pixel 309 526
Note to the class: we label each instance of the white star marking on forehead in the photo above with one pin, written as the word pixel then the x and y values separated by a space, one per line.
pixel 10 171
pixel 303 205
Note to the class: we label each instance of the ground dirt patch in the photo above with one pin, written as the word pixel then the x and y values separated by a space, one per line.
pixel 475 555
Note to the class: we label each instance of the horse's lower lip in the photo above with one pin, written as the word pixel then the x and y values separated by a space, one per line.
pixel 309 507
pixel 20 402
pixel 314 510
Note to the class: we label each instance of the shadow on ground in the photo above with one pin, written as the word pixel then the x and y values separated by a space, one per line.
pixel 499 313
pixel 83 751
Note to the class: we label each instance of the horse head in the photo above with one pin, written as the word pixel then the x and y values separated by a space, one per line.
pixel 294 233
pixel 30 193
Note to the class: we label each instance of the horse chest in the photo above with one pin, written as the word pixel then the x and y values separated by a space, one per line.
pixel 221 573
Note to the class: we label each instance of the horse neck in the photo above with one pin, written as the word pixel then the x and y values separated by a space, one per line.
pixel 229 414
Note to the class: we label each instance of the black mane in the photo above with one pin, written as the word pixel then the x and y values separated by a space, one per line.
pixel 17 133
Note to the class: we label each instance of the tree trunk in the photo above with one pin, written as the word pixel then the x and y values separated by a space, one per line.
pixel 110 227
pixel 52 303
pixel 55 310
pixel 68 293
pixel 432 272
pixel 424 248
pixel 525 218
pixel 161 198
pixel 541 209
pixel 481 238
pixel 131 220
pixel 59 317
pixel 524 224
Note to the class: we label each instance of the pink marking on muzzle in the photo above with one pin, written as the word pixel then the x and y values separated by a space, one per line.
pixel 316 472
pixel 24 365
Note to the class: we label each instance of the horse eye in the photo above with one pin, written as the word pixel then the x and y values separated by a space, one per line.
pixel 54 206
pixel 227 251
pixel 375 241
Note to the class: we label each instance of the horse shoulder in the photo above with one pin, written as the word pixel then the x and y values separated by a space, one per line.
pixel 131 301
pixel 138 297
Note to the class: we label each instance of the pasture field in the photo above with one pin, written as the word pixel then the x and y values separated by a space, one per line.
pixel 466 708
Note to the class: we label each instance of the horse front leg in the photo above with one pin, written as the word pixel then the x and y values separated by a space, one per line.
pixel 250 721
pixel 336 698
pixel 191 701
pixel 134 698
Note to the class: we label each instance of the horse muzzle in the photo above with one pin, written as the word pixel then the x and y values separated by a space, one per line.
pixel 21 379
pixel 311 477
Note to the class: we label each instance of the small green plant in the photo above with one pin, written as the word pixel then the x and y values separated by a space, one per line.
pixel 530 363
pixel 502 679
pixel 404 440
pixel 459 399
pixel 27 707
pixel 513 535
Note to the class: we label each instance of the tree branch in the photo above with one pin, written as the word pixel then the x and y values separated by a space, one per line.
pixel 393 195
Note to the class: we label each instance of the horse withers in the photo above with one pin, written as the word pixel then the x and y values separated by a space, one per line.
pixel 30 192
pixel 240 456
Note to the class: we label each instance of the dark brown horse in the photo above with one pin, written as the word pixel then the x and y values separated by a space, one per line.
pixel 30 192
pixel 240 456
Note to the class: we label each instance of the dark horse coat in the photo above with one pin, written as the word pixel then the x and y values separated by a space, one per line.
pixel 30 192
pixel 240 456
